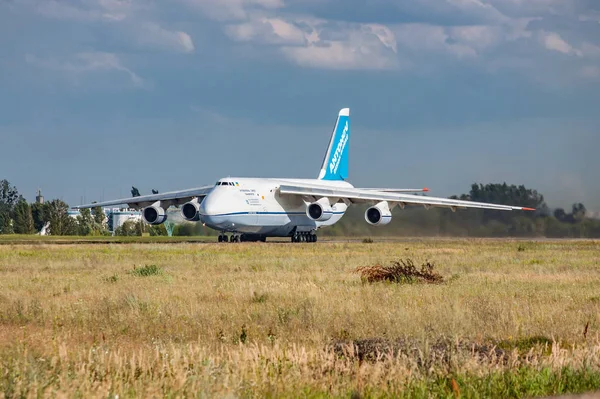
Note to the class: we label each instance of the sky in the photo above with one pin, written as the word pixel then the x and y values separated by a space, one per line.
pixel 100 95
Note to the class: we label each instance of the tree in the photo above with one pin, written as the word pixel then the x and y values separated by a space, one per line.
pixel 99 215
pixel 129 228
pixel 61 224
pixel 135 192
pixel 578 212
pixel 40 215
pixel 158 230
pixel 85 222
pixel 560 215
pixel 9 196
pixel 22 218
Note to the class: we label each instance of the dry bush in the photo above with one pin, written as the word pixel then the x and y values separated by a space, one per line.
pixel 402 272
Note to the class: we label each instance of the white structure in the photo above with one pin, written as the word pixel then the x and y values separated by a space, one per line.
pixel 116 216
pixel 120 216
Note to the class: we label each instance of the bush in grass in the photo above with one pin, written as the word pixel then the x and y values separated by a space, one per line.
pixel 146 271
pixel 402 272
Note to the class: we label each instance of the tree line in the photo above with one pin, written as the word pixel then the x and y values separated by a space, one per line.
pixel 17 216
pixel 417 221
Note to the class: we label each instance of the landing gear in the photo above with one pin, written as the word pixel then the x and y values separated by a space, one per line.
pixel 304 236
pixel 225 238
pixel 233 238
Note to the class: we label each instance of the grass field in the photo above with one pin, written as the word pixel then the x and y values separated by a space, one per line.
pixel 512 319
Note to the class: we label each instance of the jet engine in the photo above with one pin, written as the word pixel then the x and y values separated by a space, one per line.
pixel 154 214
pixel 379 214
pixel 190 211
pixel 319 211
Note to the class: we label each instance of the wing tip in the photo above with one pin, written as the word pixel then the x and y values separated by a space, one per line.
pixel 425 189
pixel 528 209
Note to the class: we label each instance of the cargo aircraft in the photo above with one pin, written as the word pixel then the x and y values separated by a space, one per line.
pixel 252 209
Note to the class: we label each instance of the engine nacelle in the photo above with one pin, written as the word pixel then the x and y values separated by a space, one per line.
pixel 154 214
pixel 379 214
pixel 190 211
pixel 319 211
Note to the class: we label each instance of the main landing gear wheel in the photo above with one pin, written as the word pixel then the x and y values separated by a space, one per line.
pixel 304 236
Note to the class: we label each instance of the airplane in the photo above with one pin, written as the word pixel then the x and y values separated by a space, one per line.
pixel 252 209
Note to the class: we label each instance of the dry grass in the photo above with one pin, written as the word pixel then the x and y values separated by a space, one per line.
pixel 275 320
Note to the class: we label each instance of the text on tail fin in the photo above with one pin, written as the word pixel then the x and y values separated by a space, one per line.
pixel 335 164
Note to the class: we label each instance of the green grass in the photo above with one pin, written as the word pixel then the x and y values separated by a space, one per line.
pixel 146 271
pixel 256 320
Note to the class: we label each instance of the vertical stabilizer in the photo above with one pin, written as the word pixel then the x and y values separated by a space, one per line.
pixel 335 163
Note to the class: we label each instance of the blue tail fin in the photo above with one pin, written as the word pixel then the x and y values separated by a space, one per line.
pixel 335 164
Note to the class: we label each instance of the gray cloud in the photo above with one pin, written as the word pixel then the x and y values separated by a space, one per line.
pixel 85 63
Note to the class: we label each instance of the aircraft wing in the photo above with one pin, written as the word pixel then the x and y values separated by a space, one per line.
pixel 169 198
pixel 398 190
pixel 369 196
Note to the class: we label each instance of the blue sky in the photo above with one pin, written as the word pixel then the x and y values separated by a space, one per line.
pixel 99 95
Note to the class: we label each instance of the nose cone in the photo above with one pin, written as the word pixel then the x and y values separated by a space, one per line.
pixel 213 211
pixel 212 204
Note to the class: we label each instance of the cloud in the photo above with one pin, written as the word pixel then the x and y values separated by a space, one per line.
pixel 339 55
pixel 81 10
pixel 152 35
pixel 590 71
pixel 268 31
pixel 87 62
pixel 348 34
pixel 462 42
pixel 127 19
pixel 227 10
pixel 324 44
pixel 553 41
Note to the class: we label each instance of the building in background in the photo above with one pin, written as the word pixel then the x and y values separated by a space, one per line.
pixel 115 217
pixel 39 198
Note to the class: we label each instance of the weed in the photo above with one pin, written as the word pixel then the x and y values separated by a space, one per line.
pixel 259 298
pixel 402 272
pixel 111 279
pixel 146 271
pixel 521 248
pixel 243 335
pixel 524 345
pixel 367 240
pixel 271 336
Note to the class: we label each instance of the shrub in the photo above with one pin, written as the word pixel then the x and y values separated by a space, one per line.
pixel 146 271
pixel 111 279
pixel 401 271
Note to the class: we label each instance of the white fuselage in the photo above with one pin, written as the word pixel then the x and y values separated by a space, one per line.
pixel 254 206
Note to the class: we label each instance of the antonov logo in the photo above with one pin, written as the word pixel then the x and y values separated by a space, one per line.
pixel 337 156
